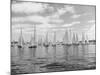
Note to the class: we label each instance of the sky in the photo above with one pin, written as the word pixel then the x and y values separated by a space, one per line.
pixel 51 17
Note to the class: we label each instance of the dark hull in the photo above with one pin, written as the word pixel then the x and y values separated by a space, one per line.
pixel 46 45
pixel 33 46
pixel 19 46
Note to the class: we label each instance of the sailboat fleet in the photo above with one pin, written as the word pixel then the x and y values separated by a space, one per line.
pixel 70 38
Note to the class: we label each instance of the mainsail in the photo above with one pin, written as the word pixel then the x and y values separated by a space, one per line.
pixel 87 40
pixel 75 39
pixel 67 37
pixel 33 38
pixel 40 41
pixel 21 40
pixel 33 43
pixel 54 39
pixel 46 39
pixel 83 38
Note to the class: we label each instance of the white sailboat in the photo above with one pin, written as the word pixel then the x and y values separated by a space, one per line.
pixel 40 41
pixel 67 38
pixel 33 39
pixel 54 40
pixel 46 43
pixel 87 40
pixel 21 40
pixel 75 39
pixel 83 38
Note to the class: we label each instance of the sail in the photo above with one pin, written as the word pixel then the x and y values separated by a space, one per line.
pixel 65 39
pixel 46 39
pixel 33 38
pixel 73 39
pixel 70 36
pixel 21 40
pixel 76 38
pixel 54 40
pixel 40 40
pixel 83 38
pixel 87 40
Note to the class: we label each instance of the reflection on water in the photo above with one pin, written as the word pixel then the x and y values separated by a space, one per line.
pixel 31 60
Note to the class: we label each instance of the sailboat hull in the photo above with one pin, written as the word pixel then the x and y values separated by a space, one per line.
pixel 54 45
pixel 33 46
pixel 46 45
pixel 19 46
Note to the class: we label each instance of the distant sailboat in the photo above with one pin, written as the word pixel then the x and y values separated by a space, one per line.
pixel 87 40
pixel 40 41
pixel 83 38
pixel 46 43
pixel 33 39
pixel 54 40
pixel 67 38
pixel 75 39
pixel 21 40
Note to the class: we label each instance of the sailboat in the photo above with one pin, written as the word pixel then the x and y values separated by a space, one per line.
pixel 33 39
pixel 46 43
pixel 40 41
pixel 21 40
pixel 75 40
pixel 67 38
pixel 87 40
pixel 83 39
pixel 54 40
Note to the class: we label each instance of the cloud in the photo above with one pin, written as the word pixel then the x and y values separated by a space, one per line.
pixel 69 9
pixel 91 21
pixel 71 24
pixel 75 16
pixel 28 7
pixel 36 19
pixel 62 11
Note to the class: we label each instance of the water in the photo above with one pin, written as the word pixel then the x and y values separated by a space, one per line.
pixel 26 60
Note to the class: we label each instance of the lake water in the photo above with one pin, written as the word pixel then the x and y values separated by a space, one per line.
pixel 25 60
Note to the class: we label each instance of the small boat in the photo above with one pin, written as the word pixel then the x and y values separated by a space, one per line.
pixel 40 42
pixel 75 40
pixel 83 39
pixel 87 40
pixel 21 40
pixel 34 46
pixel 33 39
pixel 46 43
pixel 67 38
pixel 54 41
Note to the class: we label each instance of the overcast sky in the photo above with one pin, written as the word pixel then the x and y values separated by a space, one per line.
pixel 51 17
